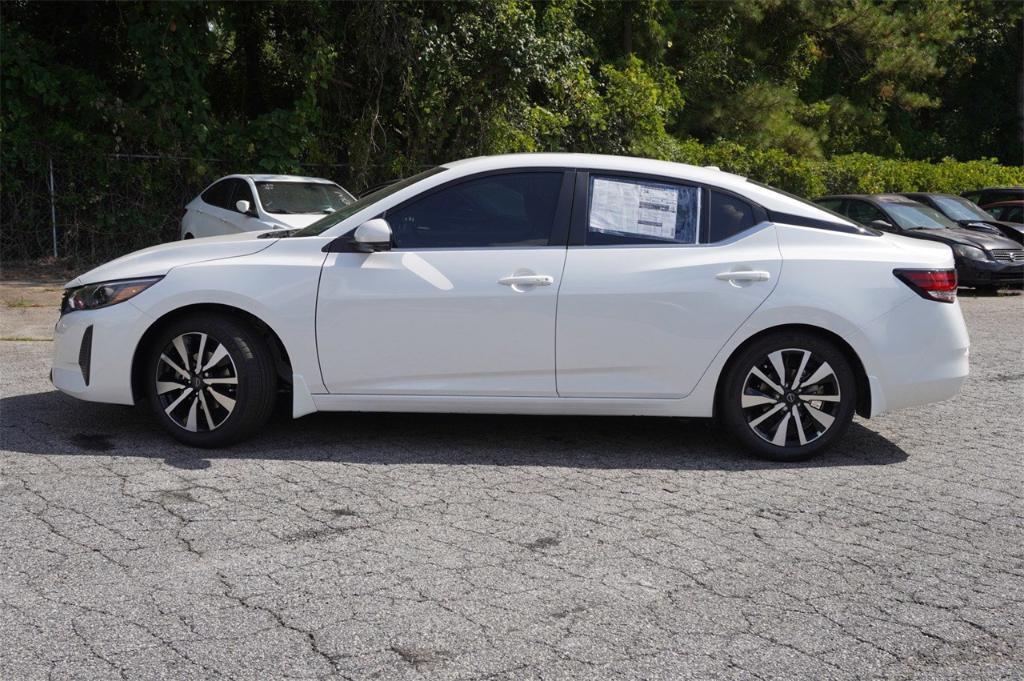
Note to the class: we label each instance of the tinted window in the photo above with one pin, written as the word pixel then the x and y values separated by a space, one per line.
pixel 633 211
pixel 513 209
pixel 864 212
pixel 831 204
pixel 1008 213
pixel 973 196
pixel 218 195
pixel 241 192
pixel 728 216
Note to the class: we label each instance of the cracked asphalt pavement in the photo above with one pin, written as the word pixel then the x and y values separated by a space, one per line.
pixel 415 546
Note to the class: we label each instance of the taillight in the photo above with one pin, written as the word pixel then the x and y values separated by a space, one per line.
pixel 937 285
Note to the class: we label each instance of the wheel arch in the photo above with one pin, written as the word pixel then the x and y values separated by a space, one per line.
pixel 863 406
pixel 282 361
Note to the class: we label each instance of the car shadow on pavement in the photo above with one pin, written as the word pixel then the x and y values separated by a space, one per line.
pixel 51 423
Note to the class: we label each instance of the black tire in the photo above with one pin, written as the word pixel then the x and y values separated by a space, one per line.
pixel 801 421
pixel 234 410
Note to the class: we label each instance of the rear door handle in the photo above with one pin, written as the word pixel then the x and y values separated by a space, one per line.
pixel 744 275
pixel 517 281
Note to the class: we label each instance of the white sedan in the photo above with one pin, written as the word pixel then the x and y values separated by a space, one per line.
pixel 256 203
pixel 530 284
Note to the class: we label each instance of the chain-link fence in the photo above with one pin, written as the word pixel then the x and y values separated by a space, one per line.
pixel 102 206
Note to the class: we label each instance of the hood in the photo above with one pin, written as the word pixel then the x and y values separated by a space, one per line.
pixel 985 240
pixel 159 260
pixel 1011 230
pixel 294 220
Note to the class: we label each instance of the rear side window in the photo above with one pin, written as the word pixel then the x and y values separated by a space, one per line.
pixel 218 195
pixel 629 211
pixel 510 209
pixel 728 216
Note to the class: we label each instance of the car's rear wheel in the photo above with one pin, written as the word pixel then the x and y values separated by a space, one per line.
pixel 788 396
pixel 210 380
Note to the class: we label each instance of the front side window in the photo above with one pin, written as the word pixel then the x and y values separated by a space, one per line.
pixel 728 216
pixel 241 192
pixel 864 212
pixel 509 209
pixel 630 211
pixel 285 198
pixel 1007 213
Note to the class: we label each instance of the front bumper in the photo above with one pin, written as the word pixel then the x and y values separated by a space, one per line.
pixel 989 272
pixel 93 352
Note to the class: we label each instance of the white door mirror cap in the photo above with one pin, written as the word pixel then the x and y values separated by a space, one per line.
pixel 376 232
pixel 242 205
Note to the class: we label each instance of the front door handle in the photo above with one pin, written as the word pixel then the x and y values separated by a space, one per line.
pixel 519 282
pixel 744 275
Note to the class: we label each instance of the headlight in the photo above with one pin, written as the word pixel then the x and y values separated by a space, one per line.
pixel 969 252
pixel 93 296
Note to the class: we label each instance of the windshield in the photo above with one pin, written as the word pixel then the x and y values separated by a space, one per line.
pixel 960 209
pixel 284 198
pixel 325 223
pixel 917 216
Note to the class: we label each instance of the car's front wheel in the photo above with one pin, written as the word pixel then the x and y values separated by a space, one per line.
pixel 788 396
pixel 210 379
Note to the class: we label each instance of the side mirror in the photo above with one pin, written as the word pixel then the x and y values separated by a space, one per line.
pixel 373 235
pixel 243 206
pixel 370 237
pixel 883 225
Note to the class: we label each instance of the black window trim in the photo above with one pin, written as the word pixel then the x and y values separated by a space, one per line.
pixel 559 229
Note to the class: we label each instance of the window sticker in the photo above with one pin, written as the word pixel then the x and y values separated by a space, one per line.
pixel 644 209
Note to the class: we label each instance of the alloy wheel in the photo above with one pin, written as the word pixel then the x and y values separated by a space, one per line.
pixel 791 397
pixel 196 382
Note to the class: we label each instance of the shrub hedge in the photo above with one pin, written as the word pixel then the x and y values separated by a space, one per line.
pixel 106 207
pixel 847 174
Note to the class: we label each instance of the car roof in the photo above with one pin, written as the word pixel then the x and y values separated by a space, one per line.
pixel 280 178
pixel 951 196
pixel 877 198
pixel 768 198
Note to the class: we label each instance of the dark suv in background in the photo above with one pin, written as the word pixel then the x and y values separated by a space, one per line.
pixel 983 259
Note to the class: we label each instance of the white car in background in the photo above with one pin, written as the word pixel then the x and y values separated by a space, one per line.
pixel 257 203
pixel 530 284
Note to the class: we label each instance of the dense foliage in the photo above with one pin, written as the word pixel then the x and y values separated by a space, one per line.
pixel 138 105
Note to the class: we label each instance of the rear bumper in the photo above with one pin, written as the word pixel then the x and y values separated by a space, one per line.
pixel 93 351
pixel 989 272
pixel 921 355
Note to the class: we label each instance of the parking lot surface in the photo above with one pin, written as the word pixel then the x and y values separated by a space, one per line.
pixel 417 546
